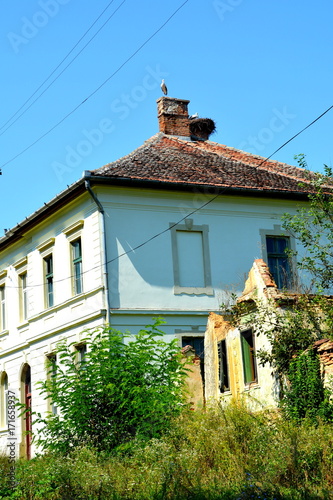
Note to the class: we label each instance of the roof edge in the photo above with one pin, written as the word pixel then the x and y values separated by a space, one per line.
pixel 14 234
pixel 183 186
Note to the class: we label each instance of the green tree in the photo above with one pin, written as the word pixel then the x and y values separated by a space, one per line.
pixel 126 387
pixel 306 317
pixel 312 226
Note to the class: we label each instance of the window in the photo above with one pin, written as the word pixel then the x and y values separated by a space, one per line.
pixel 74 234
pixel 45 250
pixel 223 366
pixel 2 308
pixel 81 354
pixel 77 266
pixel 275 246
pixel 3 400
pixel 23 297
pixel 198 344
pixel 248 355
pixel 278 260
pixel 48 273
pixel 21 270
pixel 191 262
pixel 52 374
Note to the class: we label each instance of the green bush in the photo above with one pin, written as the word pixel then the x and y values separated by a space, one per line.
pixel 126 387
pixel 306 396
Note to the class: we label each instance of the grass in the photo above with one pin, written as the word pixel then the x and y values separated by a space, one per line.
pixel 218 454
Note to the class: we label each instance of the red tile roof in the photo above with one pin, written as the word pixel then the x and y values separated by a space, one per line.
pixel 169 159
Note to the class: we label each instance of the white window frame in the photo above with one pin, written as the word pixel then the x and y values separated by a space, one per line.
pixel 203 229
pixel 46 250
pixel 48 279
pixel 21 268
pixel 73 233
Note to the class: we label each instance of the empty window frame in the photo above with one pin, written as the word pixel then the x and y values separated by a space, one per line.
pixel 198 344
pixel 48 277
pixel 278 260
pixel 76 250
pixel 248 357
pixel 223 366
pixel 191 260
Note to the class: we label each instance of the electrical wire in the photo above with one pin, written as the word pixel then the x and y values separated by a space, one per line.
pixel 98 88
pixel 298 133
pixel 220 191
pixel 62 71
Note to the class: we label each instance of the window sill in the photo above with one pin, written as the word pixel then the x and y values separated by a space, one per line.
pixel 24 324
pixel 226 393
pixel 179 290
pixel 251 385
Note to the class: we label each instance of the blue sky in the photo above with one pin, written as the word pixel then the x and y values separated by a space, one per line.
pixel 261 69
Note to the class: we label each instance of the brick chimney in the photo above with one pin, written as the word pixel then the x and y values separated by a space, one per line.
pixel 173 116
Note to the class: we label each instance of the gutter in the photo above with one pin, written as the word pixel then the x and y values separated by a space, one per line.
pixel 188 186
pixel 86 177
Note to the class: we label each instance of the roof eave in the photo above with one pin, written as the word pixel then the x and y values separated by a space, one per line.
pixel 16 233
pixel 186 186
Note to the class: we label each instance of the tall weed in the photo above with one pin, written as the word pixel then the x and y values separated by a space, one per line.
pixel 217 454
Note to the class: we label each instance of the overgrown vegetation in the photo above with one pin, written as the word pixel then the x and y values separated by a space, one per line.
pixel 312 226
pixel 217 454
pixel 126 387
pixel 296 320
pixel 306 396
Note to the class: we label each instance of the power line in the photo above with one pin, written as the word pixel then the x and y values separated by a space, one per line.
pixel 97 89
pixel 220 191
pixel 298 133
pixel 55 69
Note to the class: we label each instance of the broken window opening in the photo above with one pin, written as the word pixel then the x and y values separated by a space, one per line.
pixel 223 366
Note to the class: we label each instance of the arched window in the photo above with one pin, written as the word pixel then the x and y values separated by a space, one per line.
pixel 3 400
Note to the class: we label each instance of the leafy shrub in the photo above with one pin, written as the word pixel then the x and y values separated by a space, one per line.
pixel 306 396
pixel 126 387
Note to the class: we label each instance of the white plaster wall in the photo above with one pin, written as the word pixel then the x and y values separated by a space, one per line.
pixel 31 341
pixel 143 279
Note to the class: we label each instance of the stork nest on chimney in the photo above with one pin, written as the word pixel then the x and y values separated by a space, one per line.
pixel 202 128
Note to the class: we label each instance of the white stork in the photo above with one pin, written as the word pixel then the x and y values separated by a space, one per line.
pixel 164 88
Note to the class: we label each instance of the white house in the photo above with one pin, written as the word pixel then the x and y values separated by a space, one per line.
pixel 165 231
